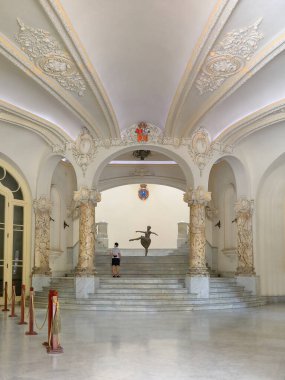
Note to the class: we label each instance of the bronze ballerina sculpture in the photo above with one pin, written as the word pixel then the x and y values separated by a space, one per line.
pixel 145 240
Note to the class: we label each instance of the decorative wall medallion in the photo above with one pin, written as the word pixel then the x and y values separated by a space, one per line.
pixel 84 149
pixel 228 57
pixel 47 54
pixel 143 192
pixel 200 148
pixel 142 132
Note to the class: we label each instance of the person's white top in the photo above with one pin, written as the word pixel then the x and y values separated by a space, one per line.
pixel 116 253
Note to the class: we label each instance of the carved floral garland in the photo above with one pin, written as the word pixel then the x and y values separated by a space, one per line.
pixel 44 50
pixel 228 57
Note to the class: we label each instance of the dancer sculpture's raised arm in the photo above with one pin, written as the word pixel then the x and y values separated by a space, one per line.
pixel 145 240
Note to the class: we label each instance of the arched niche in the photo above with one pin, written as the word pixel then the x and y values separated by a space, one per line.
pixel 222 185
pixel 270 229
pixel 241 175
pixel 46 172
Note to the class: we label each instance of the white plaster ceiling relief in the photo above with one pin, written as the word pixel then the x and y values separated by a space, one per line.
pixel 228 57
pixel 201 149
pixel 47 54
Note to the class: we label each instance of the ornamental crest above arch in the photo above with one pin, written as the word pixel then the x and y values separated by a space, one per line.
pixel 142 133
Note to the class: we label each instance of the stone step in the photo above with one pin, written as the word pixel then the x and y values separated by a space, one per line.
pixel 147 280
pixel 160 308
pixel 151 302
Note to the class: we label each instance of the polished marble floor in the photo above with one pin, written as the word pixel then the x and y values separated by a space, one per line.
pixel 242 344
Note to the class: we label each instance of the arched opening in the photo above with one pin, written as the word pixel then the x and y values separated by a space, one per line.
pixel 125 212
pixel 270 220
pixel 15 207
pixel 222 185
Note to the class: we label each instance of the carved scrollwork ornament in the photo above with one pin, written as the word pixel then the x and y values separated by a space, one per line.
pixel 84 149
pixel 85 195
pixel 244 206
pixel 197 196
pixel 228 57
pixel 47 54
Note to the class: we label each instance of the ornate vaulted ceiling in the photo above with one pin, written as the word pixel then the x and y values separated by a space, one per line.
pixel 108 64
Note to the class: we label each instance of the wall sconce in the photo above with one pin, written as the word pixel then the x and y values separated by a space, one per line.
pixel 234 221
pixel 218 224
pixel 65 225
pixel 51 219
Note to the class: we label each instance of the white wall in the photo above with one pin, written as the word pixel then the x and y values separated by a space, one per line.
pixel 125 213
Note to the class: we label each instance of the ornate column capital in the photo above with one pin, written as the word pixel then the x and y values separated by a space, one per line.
pixel 43 204
pixel 197 196
pixel 244 206
pixel 85 195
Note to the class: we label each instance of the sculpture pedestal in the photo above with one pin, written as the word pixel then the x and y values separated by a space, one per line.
pixel 39 281
pixel 250 283
pixel 199 285
pixel 85 285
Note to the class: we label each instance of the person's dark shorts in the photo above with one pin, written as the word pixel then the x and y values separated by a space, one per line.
pixel 116 262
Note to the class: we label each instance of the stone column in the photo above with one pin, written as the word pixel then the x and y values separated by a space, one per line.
pixel 42 208
pixel 197 279
pixel 86 199
pixel 245 270
pixel 41 272
pixel 244 210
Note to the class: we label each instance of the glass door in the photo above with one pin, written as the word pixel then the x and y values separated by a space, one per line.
pixel 2 242
pixel 11 245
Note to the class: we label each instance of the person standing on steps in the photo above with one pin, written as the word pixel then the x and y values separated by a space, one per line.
pixel 145 240
pixel 116 260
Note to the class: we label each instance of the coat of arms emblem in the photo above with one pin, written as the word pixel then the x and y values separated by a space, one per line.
pixel 143 192
pixel 142 132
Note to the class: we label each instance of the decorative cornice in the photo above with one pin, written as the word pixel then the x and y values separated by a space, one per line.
pixel 269 115
pixel 215 24
pixel 228 57
pixel 51 133
pixel 62 24
pixel 47 54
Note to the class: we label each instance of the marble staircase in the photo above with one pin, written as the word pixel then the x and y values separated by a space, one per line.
pixel 149 284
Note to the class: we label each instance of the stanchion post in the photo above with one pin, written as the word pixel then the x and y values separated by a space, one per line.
pixel 31 314
pixel 13 303
pixel 6 297
pixel 54 346
pixel 50 295
pixel 23 303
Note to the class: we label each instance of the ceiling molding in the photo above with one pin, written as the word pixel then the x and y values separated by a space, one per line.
pixel 257 62
pixel 265 117
pixel 215 24
pixel 62 24
pixel 21 60
pixel 51 133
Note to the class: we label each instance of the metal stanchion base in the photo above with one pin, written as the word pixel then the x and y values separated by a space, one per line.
pixel 58 350
pixel 31 333
pixel 12 316
pixel 5 309
pixel 22 323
